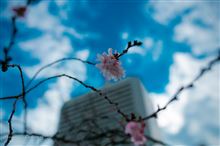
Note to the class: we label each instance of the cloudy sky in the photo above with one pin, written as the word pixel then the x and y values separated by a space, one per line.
pixel 179 38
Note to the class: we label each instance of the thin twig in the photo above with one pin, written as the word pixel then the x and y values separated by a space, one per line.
pixel 6 50
pixel 105 134
pixel 129 45
pixel 55 62
pixel 14 107
pixel 10 134
pixel 183 88
pixel 156 140
pixel 79 81
pixel 23 94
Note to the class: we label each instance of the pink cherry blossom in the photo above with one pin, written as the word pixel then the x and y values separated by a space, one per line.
pixel 110 66
pixel 136 131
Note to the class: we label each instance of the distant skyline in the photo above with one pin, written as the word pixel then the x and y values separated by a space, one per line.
pixel 178 39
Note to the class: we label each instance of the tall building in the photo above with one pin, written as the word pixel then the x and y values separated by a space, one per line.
pixel 91 120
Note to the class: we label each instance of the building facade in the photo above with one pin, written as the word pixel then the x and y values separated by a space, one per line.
pixel 90 120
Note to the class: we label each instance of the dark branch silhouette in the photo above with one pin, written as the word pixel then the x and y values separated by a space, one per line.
pixel 129 45
pixel 4 63
pixel 14 107
pixel 63 139
pixel 183 88
pixel 55 62
pixel 23 94
pixel 10 134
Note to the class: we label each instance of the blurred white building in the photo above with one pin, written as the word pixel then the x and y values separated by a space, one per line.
pixel 90 116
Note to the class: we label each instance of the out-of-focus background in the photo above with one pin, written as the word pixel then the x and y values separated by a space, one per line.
pixel 179 38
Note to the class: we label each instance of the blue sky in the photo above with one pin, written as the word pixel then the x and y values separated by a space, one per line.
pixel 178 39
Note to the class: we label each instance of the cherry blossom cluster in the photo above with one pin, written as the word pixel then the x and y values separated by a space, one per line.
pixel 111 68
pixel 136 131
pixel 110 65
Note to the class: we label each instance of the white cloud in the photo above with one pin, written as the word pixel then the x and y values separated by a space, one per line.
pixel 203 39
pixel 61 2
pixel 83 54
pixel 173 119
pixel 39 17
pixel 165 11
pixel 30 141
pixel 2 113
pixel 157 50
pixel 48 48
pixel 137 50
pixel 170 120
pixel 195 35
pixel 148 42
pixel 199 27
pixel 20 140
pixel 124 35
pixel 55 96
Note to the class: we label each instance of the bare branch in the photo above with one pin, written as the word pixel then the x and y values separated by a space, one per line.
pixel 55 62
pixel 106 134
pixel 129 45
pixel 23 94
pixel 183 88
pixel 79 81
pixel 156 141
pixel 10 134
pixel 14 107
pixel 7 58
